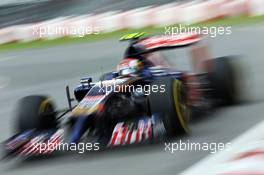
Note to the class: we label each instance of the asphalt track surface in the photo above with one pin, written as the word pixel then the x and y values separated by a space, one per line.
pixel 48 70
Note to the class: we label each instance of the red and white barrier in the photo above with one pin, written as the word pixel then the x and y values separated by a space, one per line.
pixel 257 7
pixel 78 26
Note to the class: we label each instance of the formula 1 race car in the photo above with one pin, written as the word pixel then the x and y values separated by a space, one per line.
pixel 143 100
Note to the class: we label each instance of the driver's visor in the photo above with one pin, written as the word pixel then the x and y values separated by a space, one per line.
pixel 127 71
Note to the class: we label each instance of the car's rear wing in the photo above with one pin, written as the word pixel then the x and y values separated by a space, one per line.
pixel 163 42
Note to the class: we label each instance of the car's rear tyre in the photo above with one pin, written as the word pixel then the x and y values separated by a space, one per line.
pixel 223 80
pixel 171 106
pixel 35 112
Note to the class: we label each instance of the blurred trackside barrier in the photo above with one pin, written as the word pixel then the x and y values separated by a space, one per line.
pixel 186 13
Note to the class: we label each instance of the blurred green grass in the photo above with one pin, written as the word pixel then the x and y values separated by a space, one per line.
pixel 232 21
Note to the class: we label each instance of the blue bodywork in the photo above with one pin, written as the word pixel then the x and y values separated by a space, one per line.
pixel 148 74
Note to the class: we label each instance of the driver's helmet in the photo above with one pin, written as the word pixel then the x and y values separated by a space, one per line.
pixel 130 67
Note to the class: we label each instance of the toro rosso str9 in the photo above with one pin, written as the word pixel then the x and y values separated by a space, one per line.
pixel 143 100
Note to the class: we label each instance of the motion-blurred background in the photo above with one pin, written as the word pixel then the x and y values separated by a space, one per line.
pixel 26 21
pixel 27 11
pixel 34 64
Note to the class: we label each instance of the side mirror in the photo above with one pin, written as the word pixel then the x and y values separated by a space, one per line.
pixel 86 81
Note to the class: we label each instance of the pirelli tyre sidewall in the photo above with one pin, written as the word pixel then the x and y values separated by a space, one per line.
pixel 171 106
pixel 35 112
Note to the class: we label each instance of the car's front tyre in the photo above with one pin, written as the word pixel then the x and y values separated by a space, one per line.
pixel 35 112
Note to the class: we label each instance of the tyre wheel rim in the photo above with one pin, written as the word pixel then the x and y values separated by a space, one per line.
pixel 180 104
